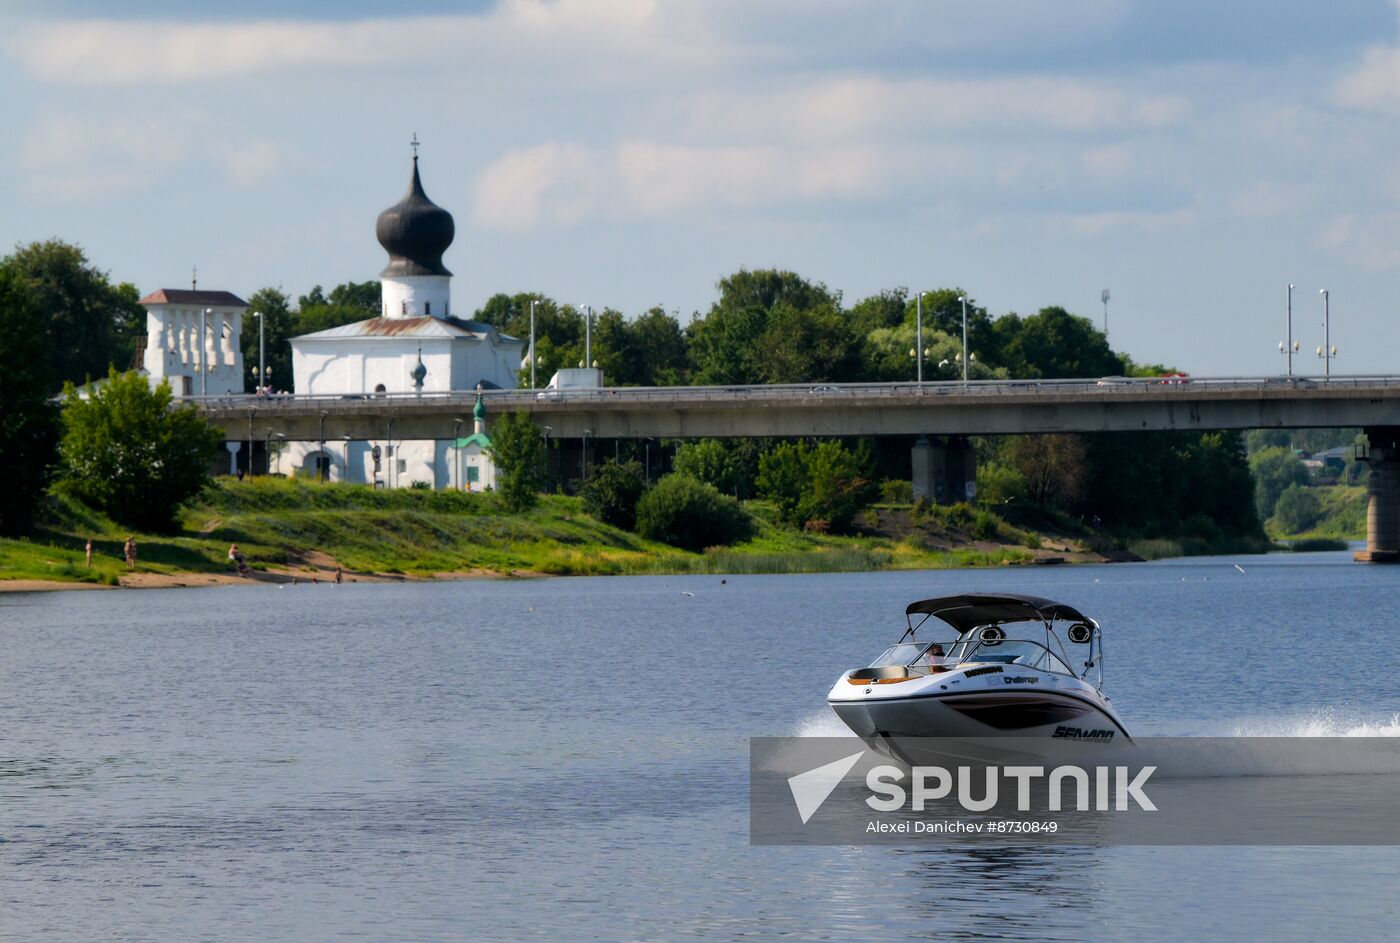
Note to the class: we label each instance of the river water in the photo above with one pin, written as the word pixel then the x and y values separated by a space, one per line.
pixel 567 759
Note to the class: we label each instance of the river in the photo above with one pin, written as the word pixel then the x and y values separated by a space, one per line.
pixel 567 758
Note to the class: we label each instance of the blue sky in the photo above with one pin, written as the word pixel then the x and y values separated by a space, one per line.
pixel 1194 157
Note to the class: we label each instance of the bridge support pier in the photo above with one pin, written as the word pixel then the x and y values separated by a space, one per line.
pixel 1383 509
pixel 945 469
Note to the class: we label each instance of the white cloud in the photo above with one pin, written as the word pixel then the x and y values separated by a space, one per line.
pixel 90 156
pixel 564 184
pixel 519 34
pixel 860 105
pixel 1370 242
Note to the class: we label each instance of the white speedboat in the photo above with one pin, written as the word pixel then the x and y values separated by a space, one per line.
pixel 984 665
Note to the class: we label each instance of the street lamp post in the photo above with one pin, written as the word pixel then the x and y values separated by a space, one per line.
pixel 457 453
pixel 322 459
pixel 346 437
pixel 203 344
pixel 587 335
pixel 534 354
pixel 648 461
pixel 583 458
pixel 919 338
pixel 963 299
pixel 1327 352
pixel 262 351
pixel 1103 296
pixel 1292 345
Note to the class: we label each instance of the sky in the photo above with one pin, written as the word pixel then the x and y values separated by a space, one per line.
pixel 1192 156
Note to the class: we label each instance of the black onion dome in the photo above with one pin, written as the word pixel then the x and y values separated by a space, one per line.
pixel 415 232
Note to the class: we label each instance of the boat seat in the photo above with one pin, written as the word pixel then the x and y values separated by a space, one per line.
pixel 880 673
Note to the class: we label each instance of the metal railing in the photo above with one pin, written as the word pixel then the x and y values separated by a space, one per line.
pixel 834 393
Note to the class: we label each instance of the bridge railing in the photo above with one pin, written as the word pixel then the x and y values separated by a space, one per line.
pixel 834 392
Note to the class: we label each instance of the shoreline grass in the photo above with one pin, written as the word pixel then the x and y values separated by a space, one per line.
pixel 301 526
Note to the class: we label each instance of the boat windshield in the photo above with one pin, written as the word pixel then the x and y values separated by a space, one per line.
pixel 1008 652
pixel 905 653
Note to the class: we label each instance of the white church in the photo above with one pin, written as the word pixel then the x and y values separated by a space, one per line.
pixel 414 346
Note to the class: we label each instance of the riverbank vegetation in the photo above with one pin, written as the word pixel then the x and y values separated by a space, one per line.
pixel 304 530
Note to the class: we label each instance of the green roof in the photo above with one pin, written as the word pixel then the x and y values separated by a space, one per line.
pixel 476 438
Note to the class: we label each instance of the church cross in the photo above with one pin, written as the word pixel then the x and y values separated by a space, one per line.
pixel 414 143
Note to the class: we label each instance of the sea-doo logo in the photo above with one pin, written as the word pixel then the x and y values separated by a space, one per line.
pixel 1074 733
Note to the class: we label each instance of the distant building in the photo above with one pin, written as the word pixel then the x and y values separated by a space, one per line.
pixel 414 346
pixel 179 323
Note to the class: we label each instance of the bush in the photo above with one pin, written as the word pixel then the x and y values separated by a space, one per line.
pixel 897 491
pixel 818 482
pixel 1274 471
pixel 612 493
pixel 998 484
pixel 690 514
pixel 1297 509
pixel 518 451
pixel 711 462
pixel 126 451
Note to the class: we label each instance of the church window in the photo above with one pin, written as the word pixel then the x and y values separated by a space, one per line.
pixel 379 388
pixel 403 307
pixel 427 307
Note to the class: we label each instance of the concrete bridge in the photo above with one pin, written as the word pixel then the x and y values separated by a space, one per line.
pixel 943 409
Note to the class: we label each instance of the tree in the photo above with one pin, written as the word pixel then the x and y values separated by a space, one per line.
pixel 128 452
pixel 1274 469
pixel 690 514
pixel 713 462
pixel 1053 467
pixel 1297 509
pixel 824 482
pixel 518 451
pixel 659 346
pixel 611 494
pixel 82 309
pixel 279 326
pixel 805 345
pixel 724 345
pixel 28 420
pixel 367 296
pixel 1053 343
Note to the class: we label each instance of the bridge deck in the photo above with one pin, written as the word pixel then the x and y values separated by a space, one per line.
pixel 995 407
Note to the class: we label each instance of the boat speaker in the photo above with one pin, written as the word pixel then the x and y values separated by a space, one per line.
pixel 991 635
pixel 1079 632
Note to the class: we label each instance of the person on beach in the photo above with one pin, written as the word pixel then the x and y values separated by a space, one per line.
pixel 339 576
pixel 236 555
pixel 129 551
pixel 89 553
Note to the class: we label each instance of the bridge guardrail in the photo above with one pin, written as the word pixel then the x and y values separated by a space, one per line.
pixel 833 392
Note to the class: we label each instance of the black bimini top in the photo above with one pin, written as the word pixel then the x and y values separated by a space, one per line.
pixel 969 610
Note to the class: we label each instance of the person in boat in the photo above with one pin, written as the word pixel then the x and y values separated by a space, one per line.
pixel 935 658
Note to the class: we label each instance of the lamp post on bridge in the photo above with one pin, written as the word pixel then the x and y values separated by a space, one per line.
pixel 919 338
pixel 534 354
pixel 1292 345
pixel 963 299
pixel 1327 352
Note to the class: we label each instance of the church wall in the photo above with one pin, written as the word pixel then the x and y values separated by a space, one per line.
pixel 413 296
pixel 173 349
pixel 359 365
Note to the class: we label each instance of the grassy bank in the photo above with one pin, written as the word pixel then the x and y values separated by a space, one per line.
pixel 1343 518
pixel 293 527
